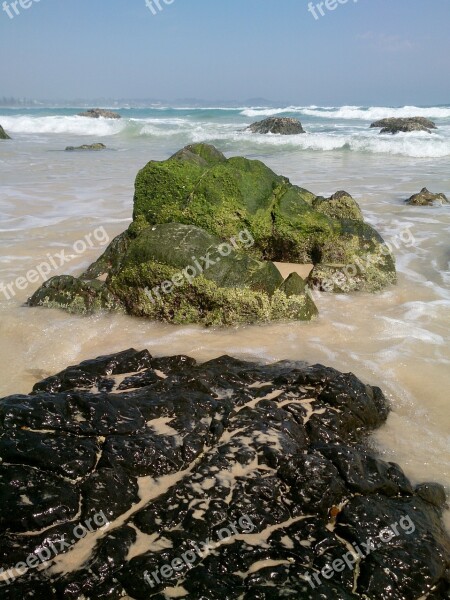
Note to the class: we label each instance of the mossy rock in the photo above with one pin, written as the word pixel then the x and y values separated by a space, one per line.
pixel 94 147
pixel 216 283
pixel 427 198
pixel 202 300
pixel 3 134
pixel 199 186
pixel 339 206
pixel 169 264
pixel 75 296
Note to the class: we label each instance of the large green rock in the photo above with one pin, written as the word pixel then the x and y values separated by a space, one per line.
pixel 205 233
pixel 199 186
pixel 182 274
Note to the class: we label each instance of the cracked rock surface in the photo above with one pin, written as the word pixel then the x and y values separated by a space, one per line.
pixel 259 476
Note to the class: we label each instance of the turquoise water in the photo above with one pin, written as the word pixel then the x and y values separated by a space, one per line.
pixel 337 129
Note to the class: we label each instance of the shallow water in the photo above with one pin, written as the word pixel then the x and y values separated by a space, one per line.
pixel 398 339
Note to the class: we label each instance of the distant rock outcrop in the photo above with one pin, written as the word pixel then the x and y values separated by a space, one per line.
pixel 96 113
pixel 3 134
pixel 396 125
pixel 427 198
pixel 97 146
pixel 280 125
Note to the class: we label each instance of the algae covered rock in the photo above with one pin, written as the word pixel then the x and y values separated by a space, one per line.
pixel 3 134
pixel 96 113
pixel 427 198
pixel 404 124
pixel 96 146
pixel 74 295
pixel 181 274
pixel 288 223
pixel 206 231
pixel 339 206
pixel 277 125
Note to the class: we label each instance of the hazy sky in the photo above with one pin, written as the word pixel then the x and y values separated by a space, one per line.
pixel 364 52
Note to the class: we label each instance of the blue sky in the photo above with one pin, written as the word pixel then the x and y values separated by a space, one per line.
pixel 364 52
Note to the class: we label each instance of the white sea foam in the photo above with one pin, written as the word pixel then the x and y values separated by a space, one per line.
pixel 377 112
pixel 62 124
pixel 352 112
pixel 326 129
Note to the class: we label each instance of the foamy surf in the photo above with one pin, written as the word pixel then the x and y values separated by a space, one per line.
pixel 338 129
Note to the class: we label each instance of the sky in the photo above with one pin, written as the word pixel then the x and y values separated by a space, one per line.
pixel 364 52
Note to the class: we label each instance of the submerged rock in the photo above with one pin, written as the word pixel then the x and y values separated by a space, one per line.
pixel 280 125
pixel 223 480
pixel 206 231
pixel 97 146
pixel 3 134
pixel 96 113
pixel 396 125
pixel 427 198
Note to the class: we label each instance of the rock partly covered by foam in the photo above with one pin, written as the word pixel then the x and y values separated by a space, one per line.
pixel 3 134
pixel 97 146
pixel 266 465
pixel 279 125
pixel 96 113
pixel 214 227
pixel 427 198
pixel 396 125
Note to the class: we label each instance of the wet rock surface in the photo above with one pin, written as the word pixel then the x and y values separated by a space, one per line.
pixel 226 480
pixel 96 146
pixel 278 125
pixel 206 231
pixel 3 134
pixel 96 113
pixel 427 198
pixel 404 124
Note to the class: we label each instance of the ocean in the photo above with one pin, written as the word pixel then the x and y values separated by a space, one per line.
pixel 51 200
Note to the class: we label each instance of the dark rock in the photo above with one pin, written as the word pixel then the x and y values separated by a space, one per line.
pixel 3 134
pixel 175 455
pixel 97 146
pixel 279 125
pixel 434 493
pixel 427 198
pixel 96 113
pixel 396 125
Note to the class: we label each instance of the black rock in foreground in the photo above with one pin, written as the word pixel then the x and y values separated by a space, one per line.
pixel 221 481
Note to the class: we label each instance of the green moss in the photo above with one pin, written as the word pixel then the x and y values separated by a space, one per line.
pixel 289 224
pixel 339 206
pixel 186 207
pixel 203 301
pixel 75 296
